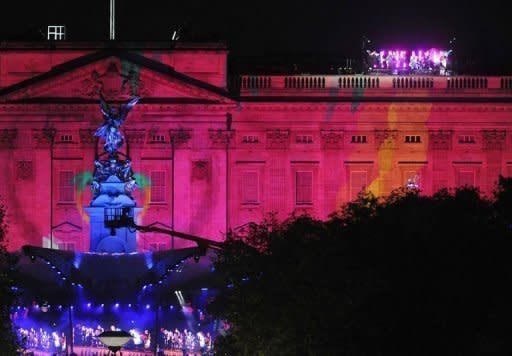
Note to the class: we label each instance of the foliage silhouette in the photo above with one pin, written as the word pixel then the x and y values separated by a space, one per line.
pixel 402 275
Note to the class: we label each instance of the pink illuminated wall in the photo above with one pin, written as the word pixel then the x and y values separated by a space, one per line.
pixel 290 144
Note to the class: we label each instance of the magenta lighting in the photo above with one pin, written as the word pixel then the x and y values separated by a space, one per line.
pixel 426 61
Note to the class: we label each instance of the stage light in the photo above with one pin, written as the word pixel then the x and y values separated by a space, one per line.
pixel 116 305
pixel 102 305
pixel 147 306
pixel 32 258
pixel 88 305
pixel 129 305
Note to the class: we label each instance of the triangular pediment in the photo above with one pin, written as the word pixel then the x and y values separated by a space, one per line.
pixel 117 76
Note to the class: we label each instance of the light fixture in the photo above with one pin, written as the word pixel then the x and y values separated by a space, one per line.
pixel 114 340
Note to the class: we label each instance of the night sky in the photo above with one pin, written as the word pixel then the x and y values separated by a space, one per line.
pixel 326 30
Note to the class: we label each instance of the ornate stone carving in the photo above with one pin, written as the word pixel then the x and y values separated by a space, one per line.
pixel 332 139
pixel 440 139
pixel 200 170
pixel 220 138
pixel 386 139
pixel 279 139
pixel 87 138
pixel 8 138
pixel 493 139
pixel 135 137
pixel 180 137
pixel 44 138
pixel 24 170
pixel 114 83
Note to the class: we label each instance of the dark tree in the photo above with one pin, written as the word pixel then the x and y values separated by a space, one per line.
pixel 404 275
pixel 8 342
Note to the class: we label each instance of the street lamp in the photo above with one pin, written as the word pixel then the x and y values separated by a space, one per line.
pixel 114 340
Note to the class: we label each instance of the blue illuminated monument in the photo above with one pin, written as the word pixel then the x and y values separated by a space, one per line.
pixel 113 184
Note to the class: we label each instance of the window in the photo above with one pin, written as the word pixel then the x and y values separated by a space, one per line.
pixel 66 187
pixel 157 139
pixel 358 182
pixel 56 33
pixel 412 139
pixel 158 187
pixel 66 246
pixel 158 246
pixel 466 179
pixel 250 187
pixel 467 139
pixel 305 139
pixel 304 188
pixel 66 138
pixel 358 139
pixel 250 139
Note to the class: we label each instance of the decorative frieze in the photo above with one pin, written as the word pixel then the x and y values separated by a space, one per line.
pixel 87 138
pixel 220 138
pixel 44 138
pixel 200 170
pixel 493 140
pixel 440 139
pixel 278 139
pixel 135 137
pixel 8 138
pixel 386 139
pixel 180 137
pixel 332 139
pixel 24 170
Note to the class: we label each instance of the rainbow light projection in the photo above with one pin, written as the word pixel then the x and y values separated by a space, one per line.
pixel 82 182
pixel 430 61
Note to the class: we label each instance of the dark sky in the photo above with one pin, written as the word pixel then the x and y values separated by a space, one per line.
pixel 318 29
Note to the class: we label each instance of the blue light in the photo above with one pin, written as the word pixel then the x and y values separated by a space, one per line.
pixel 72 307
pixel 78 259
pixel 60 306
pixel 144 287
pixel 147 306
pixel 129 305
pixel 171 307
pixel 149 260
pixel 102 305
pixel 204 289
pixel 88 305
pixel 116 305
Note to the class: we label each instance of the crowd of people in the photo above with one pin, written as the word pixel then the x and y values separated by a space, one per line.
pixel 87 336
pixel 187 340
pixel 41 339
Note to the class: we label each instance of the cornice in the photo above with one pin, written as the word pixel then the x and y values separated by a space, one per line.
pixel 365 107
pixel 89 107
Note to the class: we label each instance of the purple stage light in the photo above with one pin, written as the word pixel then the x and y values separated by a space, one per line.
pixel 147 306
pixel 88 305
pixel 116 305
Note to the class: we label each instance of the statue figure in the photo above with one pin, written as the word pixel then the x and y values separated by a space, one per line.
pixel 114 117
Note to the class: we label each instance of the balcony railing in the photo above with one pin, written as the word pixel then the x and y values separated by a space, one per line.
pixel 251 85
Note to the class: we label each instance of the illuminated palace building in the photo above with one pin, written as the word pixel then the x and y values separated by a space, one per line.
pixel 209 158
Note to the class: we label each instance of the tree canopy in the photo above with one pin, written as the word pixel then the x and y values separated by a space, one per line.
pixel 8 342
pixel 403 275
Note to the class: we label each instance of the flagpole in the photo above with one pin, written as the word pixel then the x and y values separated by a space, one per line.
pixel 112 19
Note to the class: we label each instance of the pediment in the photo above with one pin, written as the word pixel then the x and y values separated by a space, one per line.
pixel 67 227
pixel 117 78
